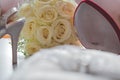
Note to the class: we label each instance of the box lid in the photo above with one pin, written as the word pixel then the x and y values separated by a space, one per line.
pixel 95 28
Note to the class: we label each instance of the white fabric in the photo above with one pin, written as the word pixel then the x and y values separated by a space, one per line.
pixel 69 63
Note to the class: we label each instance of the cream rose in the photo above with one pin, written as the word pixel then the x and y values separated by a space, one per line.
pixel 44 35
pixel 29 28
pixel 25 10
pixel 47 13
pixel 62 30
pixel 31 47
pixel 65 9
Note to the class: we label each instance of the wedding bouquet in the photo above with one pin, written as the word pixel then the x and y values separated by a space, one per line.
pixel 48 23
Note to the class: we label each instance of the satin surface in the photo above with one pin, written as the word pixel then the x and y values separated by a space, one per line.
pixel 110 6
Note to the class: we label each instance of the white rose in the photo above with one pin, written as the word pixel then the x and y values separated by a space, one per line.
pixel 44 35
pixel 65 9
pixel 62 30
pixel 25 10
pixel 31 48
pixel 47 13
pixel 29 28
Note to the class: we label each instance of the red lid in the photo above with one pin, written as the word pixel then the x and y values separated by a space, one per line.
pixel 95 28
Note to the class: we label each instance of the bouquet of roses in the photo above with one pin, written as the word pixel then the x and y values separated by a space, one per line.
pixel 48 23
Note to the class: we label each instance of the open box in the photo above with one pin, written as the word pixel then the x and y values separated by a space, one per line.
pixel 95 28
